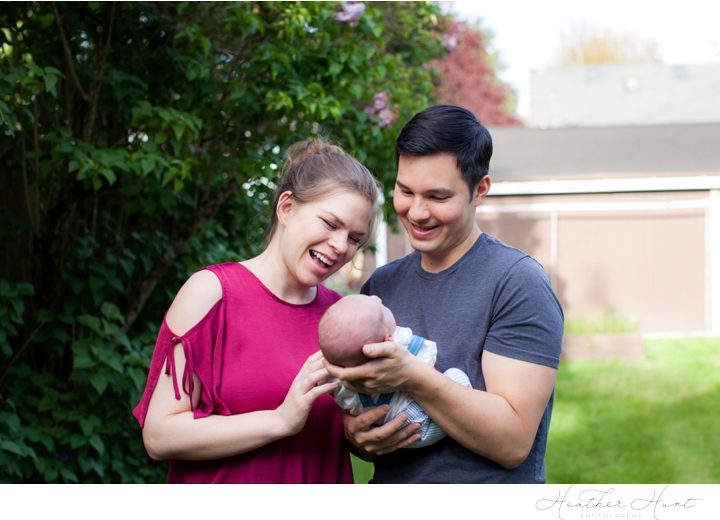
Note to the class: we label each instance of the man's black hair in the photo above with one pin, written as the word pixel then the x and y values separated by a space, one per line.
pixel 448 129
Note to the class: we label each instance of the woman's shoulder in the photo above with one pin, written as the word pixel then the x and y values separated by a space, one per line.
pixel 224 270
pixel 198 295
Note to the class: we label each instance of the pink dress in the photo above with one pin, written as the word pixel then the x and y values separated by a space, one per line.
pixel 246 352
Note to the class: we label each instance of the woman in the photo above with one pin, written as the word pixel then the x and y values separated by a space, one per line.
pixel 237 387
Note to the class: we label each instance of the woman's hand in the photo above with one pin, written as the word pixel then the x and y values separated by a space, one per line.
pixel 370 440
pixel 308 385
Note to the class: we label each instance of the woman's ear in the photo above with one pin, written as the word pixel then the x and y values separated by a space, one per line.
pixel 285 206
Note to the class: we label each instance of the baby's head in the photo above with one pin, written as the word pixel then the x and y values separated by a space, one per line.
pixel 350 323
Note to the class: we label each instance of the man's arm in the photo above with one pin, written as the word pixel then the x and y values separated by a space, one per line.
pixel 499 423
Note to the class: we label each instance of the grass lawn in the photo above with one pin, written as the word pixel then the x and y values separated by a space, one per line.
pixel 362 471
pixel 650 421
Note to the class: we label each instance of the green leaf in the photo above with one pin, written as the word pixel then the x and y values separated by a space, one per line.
pixel 47 403
pixel 97 443
pixel 77 441
pixel 97 468
pixel 51 475
pixel 18 305
pixel 12 448
pixel 178 130
pixel 92 322
pixel 46 20
pixel 34 69
pixel 12 421
pixel 99 382
pixel 48 442
pixel 25 288
pixel 138 377
pixel 50 82
pixel 146 165
pixel 61 335
pixel 83 357
pixel 87 425
pixel 68 475
pixel 114 361
pixel 111 311
pixel 109 175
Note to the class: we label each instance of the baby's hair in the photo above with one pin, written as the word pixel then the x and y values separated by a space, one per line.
pixel 346 326
pixel 315 167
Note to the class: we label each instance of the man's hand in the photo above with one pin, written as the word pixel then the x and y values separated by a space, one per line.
pixel 389 369
pixel 371 440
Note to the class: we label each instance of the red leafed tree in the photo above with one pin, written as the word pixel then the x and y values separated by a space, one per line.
pixel 469 79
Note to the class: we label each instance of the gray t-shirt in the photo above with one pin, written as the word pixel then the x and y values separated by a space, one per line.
pixel 495 298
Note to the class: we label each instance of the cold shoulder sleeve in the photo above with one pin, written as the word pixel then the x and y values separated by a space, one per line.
pixel 199 345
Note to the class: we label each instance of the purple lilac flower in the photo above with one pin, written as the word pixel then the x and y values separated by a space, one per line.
pixel 381 109
pixel 450 41
pixel 387 117
pixel 452 37
pixel 351 12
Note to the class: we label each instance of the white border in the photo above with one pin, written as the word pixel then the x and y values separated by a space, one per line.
pixel 351 502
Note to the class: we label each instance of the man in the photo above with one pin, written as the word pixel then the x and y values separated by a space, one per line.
pixel 489 307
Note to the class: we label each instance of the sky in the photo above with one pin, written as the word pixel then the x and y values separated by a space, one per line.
pixel 527 34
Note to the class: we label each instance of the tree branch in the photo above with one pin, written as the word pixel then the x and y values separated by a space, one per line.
pixel 19 353
pixel 178 247
pixel 35 186
pixel 98 71
pixel 26 184
pixel 67 53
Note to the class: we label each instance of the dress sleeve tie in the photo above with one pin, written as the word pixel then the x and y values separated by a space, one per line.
pixel 187 379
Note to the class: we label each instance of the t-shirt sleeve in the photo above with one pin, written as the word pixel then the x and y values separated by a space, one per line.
pixel 199 345
pixel 527 320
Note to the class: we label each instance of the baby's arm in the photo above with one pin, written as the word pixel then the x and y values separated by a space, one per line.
pixel 348 400
pixel 430 433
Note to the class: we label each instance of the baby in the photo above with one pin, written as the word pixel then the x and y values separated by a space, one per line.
pixel 356 320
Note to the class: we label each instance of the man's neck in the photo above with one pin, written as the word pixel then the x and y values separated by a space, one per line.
pixel 442 260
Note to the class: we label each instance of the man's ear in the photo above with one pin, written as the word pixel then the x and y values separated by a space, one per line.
pixel 481 190
pixel 285 206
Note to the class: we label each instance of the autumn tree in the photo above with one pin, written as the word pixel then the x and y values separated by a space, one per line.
pixel 468 76
pixel 584 45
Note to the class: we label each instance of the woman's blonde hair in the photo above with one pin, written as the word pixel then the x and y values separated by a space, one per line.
pixel 315 167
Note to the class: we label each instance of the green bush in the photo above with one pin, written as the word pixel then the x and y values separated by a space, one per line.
pixel 140 140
